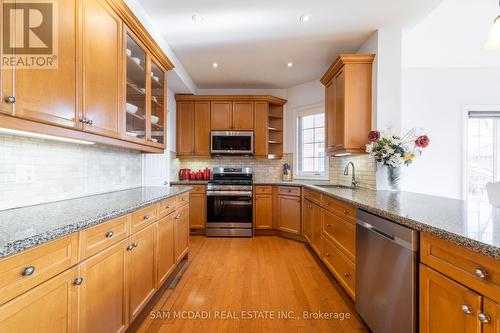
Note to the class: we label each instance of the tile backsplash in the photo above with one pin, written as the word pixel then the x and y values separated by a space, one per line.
pixel 34 171
pixel 271 170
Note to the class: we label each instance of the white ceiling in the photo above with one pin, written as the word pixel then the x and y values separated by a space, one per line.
pixel 252 41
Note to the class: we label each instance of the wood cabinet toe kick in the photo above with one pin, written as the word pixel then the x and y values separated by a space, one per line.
pixel 117 265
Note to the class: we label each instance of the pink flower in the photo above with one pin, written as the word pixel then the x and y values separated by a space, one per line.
pixel 374 136
pixel 422 141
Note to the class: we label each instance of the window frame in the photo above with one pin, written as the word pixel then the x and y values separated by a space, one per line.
pixel 465 141
pixel 297 172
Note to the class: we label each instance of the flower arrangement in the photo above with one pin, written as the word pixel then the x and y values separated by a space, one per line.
pixel 394 150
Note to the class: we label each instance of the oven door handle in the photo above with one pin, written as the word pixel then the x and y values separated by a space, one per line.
pixel 229 194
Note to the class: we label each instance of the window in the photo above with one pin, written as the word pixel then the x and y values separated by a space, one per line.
pixel 483 153
pixel 310 158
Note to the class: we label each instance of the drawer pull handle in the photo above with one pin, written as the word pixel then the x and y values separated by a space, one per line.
pixel 135 244
pixel 467 309
pixel 328 225
pixel 178 216
pixel 130 247
pixel 346 274
pixel 167 207
pixel 327 203
pixel 110 234
pixel 483 318
pixel 78 281
pixel 328 255
pixel 346 212
pixel 28 271
pixel 480 273
pixel 146 217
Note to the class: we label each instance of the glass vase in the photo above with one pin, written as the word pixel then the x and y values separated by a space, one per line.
pixel 394 178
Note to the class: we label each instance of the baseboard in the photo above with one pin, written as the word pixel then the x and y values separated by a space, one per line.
pixel 284 234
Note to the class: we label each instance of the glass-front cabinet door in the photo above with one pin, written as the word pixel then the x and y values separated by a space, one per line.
pixel 158 105
pixel 136 90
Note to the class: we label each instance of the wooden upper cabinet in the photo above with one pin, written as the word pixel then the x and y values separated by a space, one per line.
pixel 243 116
pixel 201 128
pixel 446 306
pixel 348 99
pixel 103 288
pixel 50 307
pixel 157 124
pixel 221 116
pixel 50 95
pixel 260 132
pixel 193 128
pixel 185 128
pixel 102 68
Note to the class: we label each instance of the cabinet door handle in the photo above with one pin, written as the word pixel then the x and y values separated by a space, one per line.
pixel 109 234
pixel 328 225
pixel 328 255
pixel 146 217
pixel 10 100
pixel 346 274
pixel 28 271
pixel 89 122
pixel 483 318
pixel 78 281
pixel 178 216
pixel 130 247
pixel 135 244
pixel 480 273
pixel 467 309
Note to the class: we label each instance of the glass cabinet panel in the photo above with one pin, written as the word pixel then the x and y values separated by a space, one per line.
pixel 135 107
pixel 158 112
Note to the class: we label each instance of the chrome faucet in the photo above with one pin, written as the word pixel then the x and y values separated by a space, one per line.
pixel 354 182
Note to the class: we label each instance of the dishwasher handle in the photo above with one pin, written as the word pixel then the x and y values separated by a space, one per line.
pixel 392 238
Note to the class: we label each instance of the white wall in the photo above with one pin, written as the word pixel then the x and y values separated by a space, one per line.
pixel 445 69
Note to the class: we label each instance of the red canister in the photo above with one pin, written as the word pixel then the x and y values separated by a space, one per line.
pixel 199 175
pixel 192 175
pixel 206 174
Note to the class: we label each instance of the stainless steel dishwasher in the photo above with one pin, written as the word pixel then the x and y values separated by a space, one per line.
pixel 386 274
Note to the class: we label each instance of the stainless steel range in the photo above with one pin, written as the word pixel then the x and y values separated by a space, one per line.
pixel 229 203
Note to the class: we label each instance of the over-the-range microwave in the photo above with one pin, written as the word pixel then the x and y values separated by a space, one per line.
pixel 231 143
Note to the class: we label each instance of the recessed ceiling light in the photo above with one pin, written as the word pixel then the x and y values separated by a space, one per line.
pixel 197 18
pixel 215 65
pixel 305 18
pixel 290 64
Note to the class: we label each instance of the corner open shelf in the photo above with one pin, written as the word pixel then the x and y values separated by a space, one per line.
pixel 275 131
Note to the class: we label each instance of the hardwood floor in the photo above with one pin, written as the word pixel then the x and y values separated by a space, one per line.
pixel 265 273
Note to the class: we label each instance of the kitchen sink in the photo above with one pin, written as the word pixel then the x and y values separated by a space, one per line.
pixel 335 186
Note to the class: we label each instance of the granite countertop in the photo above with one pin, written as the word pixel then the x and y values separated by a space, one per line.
pixel 26 227
pixel 189 182
pixel 470 224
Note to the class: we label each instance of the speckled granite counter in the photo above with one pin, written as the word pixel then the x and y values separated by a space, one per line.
pixel 26 227
pixel 470 224
pixel 189 182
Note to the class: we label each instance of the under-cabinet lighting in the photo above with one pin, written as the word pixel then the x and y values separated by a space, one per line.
pixel 43 136
pixel 342 154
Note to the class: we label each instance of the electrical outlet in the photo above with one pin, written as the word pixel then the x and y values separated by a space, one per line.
pixel 25 174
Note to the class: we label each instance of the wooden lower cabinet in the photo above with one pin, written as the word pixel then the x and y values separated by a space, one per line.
pixel 491 313
pixel 181 233
pixel 141 269
pixel 102 294
pixel 263 211
pixel 165 255
pixel 316 240
pixel 289 213
pixel 444 304
pixel 197 210
pixel 48 308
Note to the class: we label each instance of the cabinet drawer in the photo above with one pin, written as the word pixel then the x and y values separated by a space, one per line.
pixel 27 269
pixel 289 190
pixel 166 207
pixel 341 232
pixel 340 208
pixel 198 188
pixel 263 189
pixel 100 237
pixel 182 199
pixel 340 266
pixel 143 218
pixel 312 196
pixel 476 271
